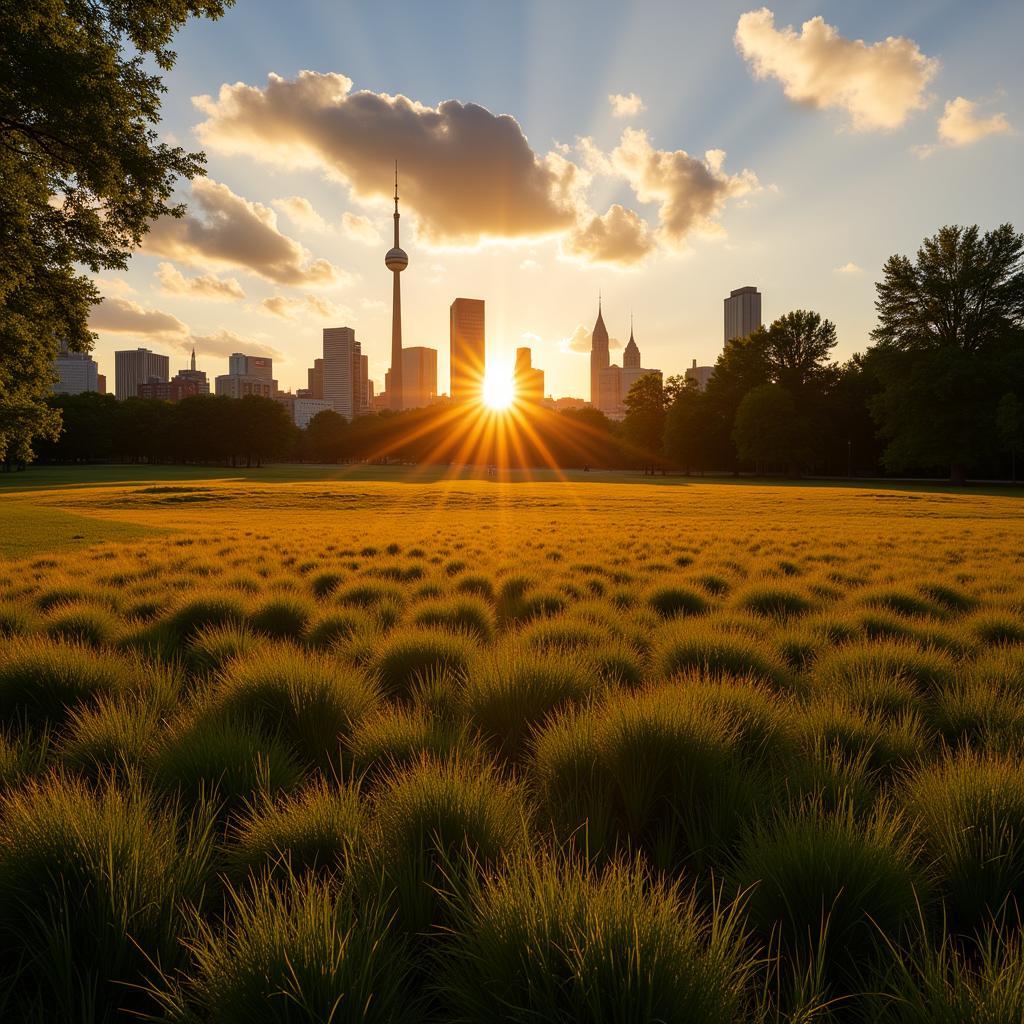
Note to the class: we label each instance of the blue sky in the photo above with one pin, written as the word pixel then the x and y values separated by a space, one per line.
pixel 829 193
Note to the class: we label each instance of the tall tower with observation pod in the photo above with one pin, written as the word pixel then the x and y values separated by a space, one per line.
pixel 396 261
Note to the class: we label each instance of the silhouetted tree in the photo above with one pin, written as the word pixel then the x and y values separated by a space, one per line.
pixel 685 440
pixel 1010 428
pixel 949 341
pixel 82 174
pixel 326 436
pixel 770 431
pixel 796 350
pixel 643 426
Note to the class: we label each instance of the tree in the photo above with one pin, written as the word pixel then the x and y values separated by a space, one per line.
pixel 685 438
pixel 82 175
pixel 1010 428
pixel 325 436
pixel 769 430
pixel 796 350
pixel 644 422
pixel 948 341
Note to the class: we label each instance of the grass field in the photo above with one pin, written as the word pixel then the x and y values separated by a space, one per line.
pixel 374 745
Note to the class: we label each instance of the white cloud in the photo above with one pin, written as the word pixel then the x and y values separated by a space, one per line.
pixel 849 268
pixel 304 307
pixel 205 286
pixel 467 173
pixel 878 85
pixel 123 316
pixel 691 193
pixel 113 286
pixel 360 229
pixel 960 125
pixel 628 105
pixel 234 232
pixel 619 237
pixel 529 264
pixel 299 211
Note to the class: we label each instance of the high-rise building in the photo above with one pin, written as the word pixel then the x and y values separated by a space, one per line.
pixel 599 356
pixel 101 383
pixel 742 312
pixel 527 380
pixel 419 376
pixel 241 365
pixel 700 375
pixel 396 261
pixel 340 362
pixel 614 382
pixel 247 375
pixel 173 390
pixel 360 373
pixel 304 409
pixel 193 376
pixel 76 372
pixel 316 379
pixel 138 366
pixel 468 361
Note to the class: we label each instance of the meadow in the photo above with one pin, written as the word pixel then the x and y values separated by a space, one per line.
pixel 380 748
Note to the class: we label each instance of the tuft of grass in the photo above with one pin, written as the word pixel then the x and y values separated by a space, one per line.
pixel 41 680
pixel 114 735
pixel 556 940
pixel 325 583
pixel 511 693
pixel 465 614
pixel 317 829
pixel 656 771
pixel 400 736
pixel 435 824
pixel 893 663
pixel 400 659
pixel 311 702
pixel 92 624
pixel 819 877
pixel 674 602
pixel 233 761
pixel 214 646
pixel 204 611
pixel 684 646
pixel 283 618
pixel 92 886
pixel 338 627
pixel 774 602
pixel 299 950
pixel 476 584
pixel 970 814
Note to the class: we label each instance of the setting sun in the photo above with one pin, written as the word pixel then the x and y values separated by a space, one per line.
pixel 499 390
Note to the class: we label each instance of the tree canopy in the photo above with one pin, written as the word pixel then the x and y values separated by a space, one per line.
pixel 82 173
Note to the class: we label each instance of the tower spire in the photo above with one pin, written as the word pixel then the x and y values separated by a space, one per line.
pixel 396 261
pixel 193 359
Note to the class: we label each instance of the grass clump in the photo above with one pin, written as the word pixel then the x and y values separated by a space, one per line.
pixel 92 885
pixel 316 829
pixel 398 660
pixel 558 941
pixel 115 734
pixel 682 647
pixel 673 602
pixel 774 602
pixel 91 624
pixel 300 950
pixel 401 736
pixel 308 700
pixel 205 611
pixel 283 618
pixel 465 614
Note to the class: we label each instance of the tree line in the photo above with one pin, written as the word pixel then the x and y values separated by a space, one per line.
pixel 939 391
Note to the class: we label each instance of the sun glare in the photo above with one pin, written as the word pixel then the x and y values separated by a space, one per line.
pixel 499 391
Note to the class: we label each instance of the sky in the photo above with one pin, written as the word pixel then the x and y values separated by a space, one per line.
pixel 656 153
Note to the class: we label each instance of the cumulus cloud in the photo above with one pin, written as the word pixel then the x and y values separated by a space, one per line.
pixel 690 192
pixel 123 316
pixel 223 342
pixel 359 229
pixel 628 105
pixel 299 210
pixel 234 232
pixel 113 286
pixel 291 308
pixel 467 174
pixel 960 125
pixel 879 84
pixel 619 237
pixel 849 268
pixel 204 286
pixel 580 340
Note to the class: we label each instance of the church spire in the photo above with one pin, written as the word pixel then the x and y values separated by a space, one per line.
pixel 193 359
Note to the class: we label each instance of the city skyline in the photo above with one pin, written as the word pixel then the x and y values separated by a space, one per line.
pixel 281 240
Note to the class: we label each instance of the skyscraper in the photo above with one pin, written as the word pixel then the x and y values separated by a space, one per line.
pixel 247 375
pixel 468 362
pixel 527 379
pixel 341 355
pixel 419 376
pixel 396 261
pixel 76 372
pixel 614 382
pixel 138 366
pixel 197 377
pixel 742 312
pixel 599 357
